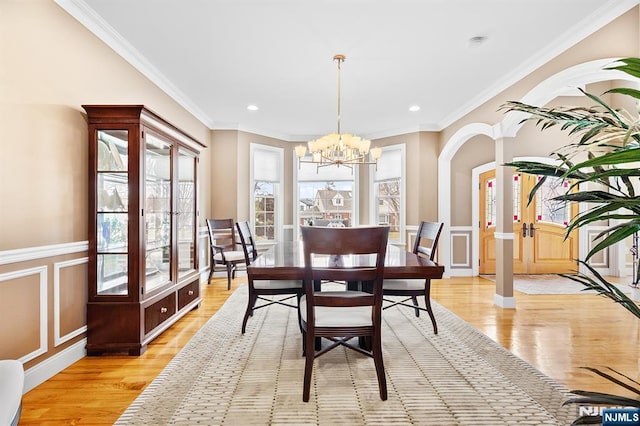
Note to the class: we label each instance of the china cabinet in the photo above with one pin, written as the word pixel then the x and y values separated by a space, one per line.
pixel 143 266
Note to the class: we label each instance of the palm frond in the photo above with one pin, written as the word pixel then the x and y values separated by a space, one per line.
pixel 598 283
pixel 630 66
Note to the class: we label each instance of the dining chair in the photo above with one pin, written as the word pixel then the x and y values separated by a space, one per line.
pixel 425 245
pixel 258 289
pixel 349 255
pixel 224 248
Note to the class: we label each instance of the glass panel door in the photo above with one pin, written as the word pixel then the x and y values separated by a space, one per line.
pixel 157 213
pixel 112 213
pixel 186 210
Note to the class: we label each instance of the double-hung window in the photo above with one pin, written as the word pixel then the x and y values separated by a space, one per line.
pixel 388 183
pixel 266 200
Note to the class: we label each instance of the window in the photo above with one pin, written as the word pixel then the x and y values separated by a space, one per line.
pixel 388 206
pixel 325 195
pixel 266 202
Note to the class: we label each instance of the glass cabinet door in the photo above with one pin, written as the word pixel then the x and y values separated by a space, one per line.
pixel 157 212
pixel 186 212
pixel 112 212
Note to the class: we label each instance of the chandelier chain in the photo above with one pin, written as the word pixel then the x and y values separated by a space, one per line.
pixel 339 59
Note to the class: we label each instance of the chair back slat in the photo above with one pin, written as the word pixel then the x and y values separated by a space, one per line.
pixel 429 231
pixel 327 299
pixel 222 233
pixel 247 241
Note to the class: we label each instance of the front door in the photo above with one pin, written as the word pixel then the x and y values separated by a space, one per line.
pixel 539 245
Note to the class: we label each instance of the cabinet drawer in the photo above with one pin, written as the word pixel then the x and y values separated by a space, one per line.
pixel 188 293
pixel 156 314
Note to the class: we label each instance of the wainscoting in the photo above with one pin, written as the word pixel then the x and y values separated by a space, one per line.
pixel 43 308
pixel 43 321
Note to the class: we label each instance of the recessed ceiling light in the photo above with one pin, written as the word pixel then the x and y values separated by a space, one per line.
pixel 252 107
pixel 414 108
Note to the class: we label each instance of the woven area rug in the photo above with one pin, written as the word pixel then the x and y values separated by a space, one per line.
pixel 458 377
pixel 550 284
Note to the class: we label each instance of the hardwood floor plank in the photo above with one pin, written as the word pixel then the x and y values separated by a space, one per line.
pixel 557 334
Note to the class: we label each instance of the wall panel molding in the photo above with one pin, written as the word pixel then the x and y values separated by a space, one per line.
pixel 464 234
pixel 57 266
pixel 43 320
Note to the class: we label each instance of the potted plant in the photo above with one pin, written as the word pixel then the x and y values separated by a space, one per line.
pixel 603 160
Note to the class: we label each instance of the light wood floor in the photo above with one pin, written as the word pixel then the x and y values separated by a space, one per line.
pixel 555 333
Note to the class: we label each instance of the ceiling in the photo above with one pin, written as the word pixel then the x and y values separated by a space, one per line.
pixel 216 57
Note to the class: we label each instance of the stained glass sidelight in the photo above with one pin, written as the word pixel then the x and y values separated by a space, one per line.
pixel 550 210
pixel 491 201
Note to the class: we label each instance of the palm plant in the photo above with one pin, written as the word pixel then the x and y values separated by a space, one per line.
pixel 603 161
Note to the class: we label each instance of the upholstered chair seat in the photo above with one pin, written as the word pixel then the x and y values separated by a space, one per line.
pixel 335 316
pixel 230 256
pixel 413 285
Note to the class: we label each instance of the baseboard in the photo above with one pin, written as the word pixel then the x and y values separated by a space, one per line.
pixel 458 273
pixel 50 367
pixel 504 302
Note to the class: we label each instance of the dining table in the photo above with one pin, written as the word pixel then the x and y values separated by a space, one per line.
pixel 285 261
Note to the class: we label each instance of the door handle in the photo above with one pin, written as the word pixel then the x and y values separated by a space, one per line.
pixel 531 230
pixel 524 230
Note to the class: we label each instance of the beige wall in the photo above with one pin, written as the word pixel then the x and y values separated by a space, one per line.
pixel 421 177
pixel 50 66
pixel 230 162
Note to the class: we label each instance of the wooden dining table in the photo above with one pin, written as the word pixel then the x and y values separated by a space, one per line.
pixel 285 261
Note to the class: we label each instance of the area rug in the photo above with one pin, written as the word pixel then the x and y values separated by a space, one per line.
pixel 457 377
pixel 550 284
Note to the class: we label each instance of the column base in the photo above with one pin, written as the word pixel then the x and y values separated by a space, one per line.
pixel 504 302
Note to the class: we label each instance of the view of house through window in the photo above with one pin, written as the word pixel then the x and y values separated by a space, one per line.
pixel 388 206
pixel 326 196
pixel 326 203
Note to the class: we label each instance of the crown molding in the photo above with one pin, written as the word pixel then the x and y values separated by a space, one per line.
pixel 88 17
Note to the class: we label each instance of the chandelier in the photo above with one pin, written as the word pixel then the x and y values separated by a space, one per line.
pixel 338 148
